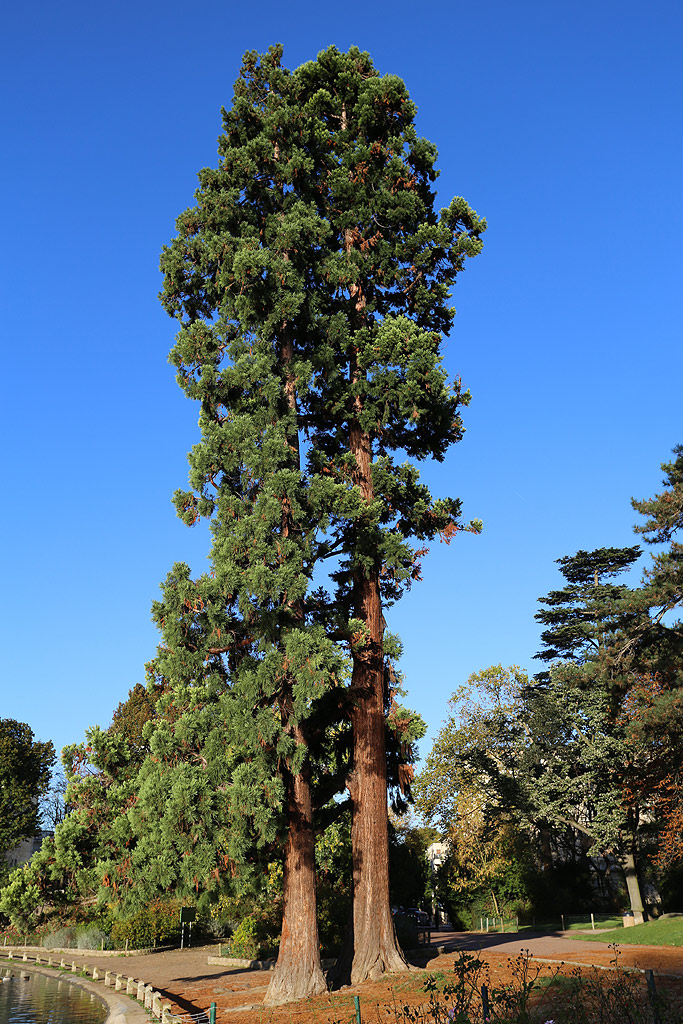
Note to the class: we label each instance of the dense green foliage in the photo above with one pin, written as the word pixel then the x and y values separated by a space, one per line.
pixel 25 765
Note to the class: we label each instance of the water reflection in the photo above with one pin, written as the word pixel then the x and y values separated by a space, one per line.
pixel 28 998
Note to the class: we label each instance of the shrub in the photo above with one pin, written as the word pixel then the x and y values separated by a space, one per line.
pixel 244 941
pixel 156 923
pixel 62 938
pixel 92 938
pixel 256 937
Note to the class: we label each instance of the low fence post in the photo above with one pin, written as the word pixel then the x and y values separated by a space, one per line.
pixel 356 1003
pixel 212 1013
pixel 652 994
pixel 593 921
pixel 485 1002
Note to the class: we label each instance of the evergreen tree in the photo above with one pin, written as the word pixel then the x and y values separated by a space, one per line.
pixel 581 618
pixel 25 765
pixel 586 775
pixel 311 281
pixel 656 717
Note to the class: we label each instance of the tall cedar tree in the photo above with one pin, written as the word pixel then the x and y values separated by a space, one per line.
pixel 659 649
pixel 587 624
pixel 311 280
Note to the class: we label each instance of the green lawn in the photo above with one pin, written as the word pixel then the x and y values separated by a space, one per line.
pixel 668 932
pixel 600 922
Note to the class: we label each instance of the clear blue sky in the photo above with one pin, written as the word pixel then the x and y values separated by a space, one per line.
pixel 561 123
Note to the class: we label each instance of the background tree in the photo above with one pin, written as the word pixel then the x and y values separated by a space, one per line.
pixel 25 765
pixel 472 787
pixel 410 881
pixel 655 717
pixel 589 621
pixel 53 805
pixel 131 717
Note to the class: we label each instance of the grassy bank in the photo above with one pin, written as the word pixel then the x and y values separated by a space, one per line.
pixel 666 932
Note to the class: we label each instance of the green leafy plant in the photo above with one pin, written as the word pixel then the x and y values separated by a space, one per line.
pixel 255 937
pixel 154 924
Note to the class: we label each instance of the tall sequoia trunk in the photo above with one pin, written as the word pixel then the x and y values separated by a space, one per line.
pixel 298 973
pixel 372 949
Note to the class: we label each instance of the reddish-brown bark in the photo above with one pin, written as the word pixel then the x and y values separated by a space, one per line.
pixel 298 973
pixel 372 949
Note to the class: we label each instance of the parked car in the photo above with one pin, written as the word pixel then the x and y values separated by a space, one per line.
pixel 420 917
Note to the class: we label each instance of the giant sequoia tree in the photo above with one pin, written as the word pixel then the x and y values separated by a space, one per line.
pixel 311 282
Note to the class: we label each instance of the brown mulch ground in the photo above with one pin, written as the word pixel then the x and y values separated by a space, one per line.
pixel 191 984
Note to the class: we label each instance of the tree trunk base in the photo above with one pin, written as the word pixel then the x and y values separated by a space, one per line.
pixel 367 964
pixel 372 967
pixel 291 982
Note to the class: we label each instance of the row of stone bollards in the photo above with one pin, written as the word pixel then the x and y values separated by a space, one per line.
pixel 144 994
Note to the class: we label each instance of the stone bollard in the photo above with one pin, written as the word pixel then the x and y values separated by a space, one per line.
pixel 141 992
pixel 148 997
pixel 74 967
pixel 95 974
pixel 49 961
pixel 119 983
pixel 107 978
pixel 131 987
pixel 166 1015
pixel 156 1005
pixel 62 964
pixel 38 960
pixel 25 956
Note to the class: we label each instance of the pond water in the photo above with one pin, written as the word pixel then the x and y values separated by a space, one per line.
pixel 41 1000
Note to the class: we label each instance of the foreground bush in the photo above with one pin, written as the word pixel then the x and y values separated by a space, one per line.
pixel 538 995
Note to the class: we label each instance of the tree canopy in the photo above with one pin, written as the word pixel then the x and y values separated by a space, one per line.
pixel 25 765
